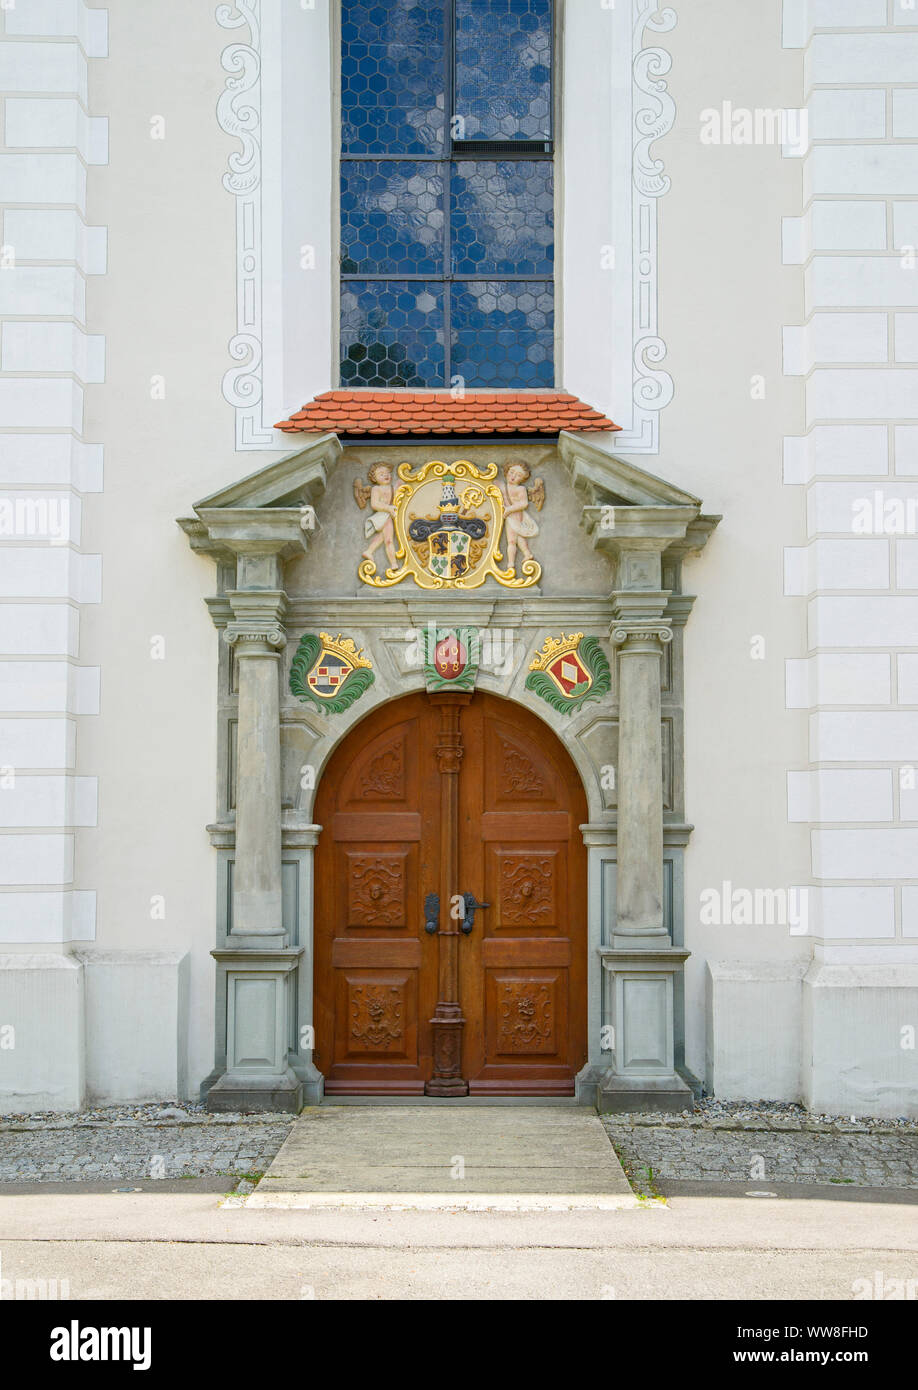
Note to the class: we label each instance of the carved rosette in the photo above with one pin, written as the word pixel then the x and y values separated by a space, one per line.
pixel 376 1016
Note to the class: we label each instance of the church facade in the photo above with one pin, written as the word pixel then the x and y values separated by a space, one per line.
pixel 458 632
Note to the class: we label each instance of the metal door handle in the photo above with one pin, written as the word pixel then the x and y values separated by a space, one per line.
pixel 471 904
pixel 431 913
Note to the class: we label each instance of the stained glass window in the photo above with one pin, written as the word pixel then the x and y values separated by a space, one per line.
pixel 503 69
pixel 447 195
pixel 393 57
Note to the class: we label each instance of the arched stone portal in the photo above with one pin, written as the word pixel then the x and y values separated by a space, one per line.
pixel 609 605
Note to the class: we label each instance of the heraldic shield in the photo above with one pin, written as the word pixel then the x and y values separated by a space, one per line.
pixel 448 520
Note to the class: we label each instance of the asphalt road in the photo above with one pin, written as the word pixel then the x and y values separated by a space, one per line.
pixel 715 1244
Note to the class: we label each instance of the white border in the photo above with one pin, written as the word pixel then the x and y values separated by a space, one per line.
pixel 266 337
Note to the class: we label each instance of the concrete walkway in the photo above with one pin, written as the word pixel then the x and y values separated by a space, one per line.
pixel 439 1157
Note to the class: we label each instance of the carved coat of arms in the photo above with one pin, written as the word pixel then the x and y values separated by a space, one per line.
pixel 329 672
pixel 444 525
pixel 569 671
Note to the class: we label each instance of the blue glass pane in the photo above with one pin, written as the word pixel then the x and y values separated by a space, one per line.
pixel 393 77
pixel 391 218
pixel 503 69
pixel 503 333
pixel 392 333
pixel 502 217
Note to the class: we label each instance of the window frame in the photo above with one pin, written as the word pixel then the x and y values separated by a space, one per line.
pixel 454 152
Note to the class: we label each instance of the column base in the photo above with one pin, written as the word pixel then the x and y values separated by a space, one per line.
pixel 280 1093
pixel 623 1095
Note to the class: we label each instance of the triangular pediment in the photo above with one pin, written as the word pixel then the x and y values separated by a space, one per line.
pixel 271 502
pixel 604 480
pixel 296 480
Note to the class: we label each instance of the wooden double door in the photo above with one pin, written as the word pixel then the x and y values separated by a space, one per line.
pixel 433 801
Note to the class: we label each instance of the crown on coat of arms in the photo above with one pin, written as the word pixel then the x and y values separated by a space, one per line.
pixel 449 502
pixel 346 648
pixel 553 648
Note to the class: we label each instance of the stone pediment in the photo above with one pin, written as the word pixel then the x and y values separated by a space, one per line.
pixel 622 502
pixel 270 503
pixel 617 502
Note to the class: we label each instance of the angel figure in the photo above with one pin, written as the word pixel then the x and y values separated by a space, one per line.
pixel 519 525
pixel 380 523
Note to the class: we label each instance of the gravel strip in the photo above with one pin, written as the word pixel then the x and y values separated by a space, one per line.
pixel 759 1143
pixel 131 1142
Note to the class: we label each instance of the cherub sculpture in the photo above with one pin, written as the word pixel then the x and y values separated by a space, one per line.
pixel 520 527
pixel 380 523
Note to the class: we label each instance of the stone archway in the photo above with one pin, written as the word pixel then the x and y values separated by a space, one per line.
pixel 645 527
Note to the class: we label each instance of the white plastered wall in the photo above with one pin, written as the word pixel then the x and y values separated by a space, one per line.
pixel 180 418
pixel 50 577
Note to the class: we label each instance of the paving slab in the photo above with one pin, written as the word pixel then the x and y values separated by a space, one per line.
pixel 421 1158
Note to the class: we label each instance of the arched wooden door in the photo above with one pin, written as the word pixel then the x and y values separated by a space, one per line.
pixel 520 973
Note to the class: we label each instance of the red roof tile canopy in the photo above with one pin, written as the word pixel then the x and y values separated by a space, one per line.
pixel 357 414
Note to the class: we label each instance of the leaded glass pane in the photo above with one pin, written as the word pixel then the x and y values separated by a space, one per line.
pixel 392 333
pixel 503 333
pixel 391 218
pixel 503 69
pixel 393 77
pixel 502 217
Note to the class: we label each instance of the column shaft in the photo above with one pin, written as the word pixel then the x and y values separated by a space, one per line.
pixel 257 871
pixel 639 885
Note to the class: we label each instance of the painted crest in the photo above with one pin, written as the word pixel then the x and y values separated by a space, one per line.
pixel 329 671
pixel 451 657
pixel 569 671
pixel 443 526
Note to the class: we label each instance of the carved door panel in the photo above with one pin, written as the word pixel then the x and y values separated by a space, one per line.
pixel 522 970
pixel 375 967
pixel 523 967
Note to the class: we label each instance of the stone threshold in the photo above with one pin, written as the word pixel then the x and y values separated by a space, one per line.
pixel 435 1201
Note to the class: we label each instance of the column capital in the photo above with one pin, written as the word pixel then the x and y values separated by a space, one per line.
pixel 640 608
pixel 632 636
pixel 264 636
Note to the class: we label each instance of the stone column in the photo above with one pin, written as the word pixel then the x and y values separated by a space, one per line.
pixel 641 962
pixel 640 784
pixel 257 962
pixel 258 645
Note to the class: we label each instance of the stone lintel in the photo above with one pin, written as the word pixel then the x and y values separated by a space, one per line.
pixel 258 617
pixel 676 834
pixel 697 535
pixel 238 531
pixel 679 608
pixel 281 960
pixel 652 959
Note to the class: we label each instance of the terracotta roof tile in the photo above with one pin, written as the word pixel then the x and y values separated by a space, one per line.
pixel 358 413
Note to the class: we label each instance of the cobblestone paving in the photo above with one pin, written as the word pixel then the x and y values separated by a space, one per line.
pixel 762 1145
pixel 79 1148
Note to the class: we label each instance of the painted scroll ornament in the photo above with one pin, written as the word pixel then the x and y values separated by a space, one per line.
pixel 330 672
pixel 442 526
pixel 569 671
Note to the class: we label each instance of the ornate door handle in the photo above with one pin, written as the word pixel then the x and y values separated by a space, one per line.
pixel 471 904
pixel 432 913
